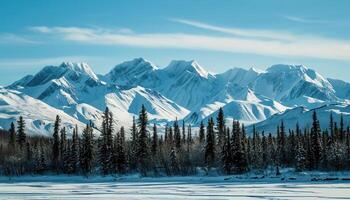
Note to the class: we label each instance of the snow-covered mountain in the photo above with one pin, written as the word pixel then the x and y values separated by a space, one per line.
pixel 182 90
pixel 39 117
pixel 303 117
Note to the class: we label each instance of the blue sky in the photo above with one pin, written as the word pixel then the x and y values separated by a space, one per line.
pixel 218 34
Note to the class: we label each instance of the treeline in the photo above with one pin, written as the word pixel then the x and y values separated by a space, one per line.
pixel 216 147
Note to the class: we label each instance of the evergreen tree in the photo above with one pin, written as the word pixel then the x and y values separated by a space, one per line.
pixel 265 157
pixel 74 153
pixel 315 142
pixel 56 144
pixel 183 132
pixel 210 144
pixel 12 139
pixel 63 146
pixel 21 135
pixel 173 162
pixel 257 150
pixel 300 155
pixel 226 153
pixel 106 143
pixel 239 162
pixel 177 136
pixel 87 150
pixel 201 133
pixel 281 145
pixel 143 153
pixel 134 143
pixel 119 157
pixel 271 150
pixel 154 146
pixel 221 128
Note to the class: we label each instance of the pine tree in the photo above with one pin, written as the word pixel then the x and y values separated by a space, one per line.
pixel 74 152
pixel 174 166
pixel 177 136
pixel 265 157
pixel 143 153
pixel 300 156
pixel 134 143
pixel 239 162
pixel 226 153
pixel 87 150
pixel 183 132
pixel 56 145
pixel 257 151
pixel 201 133
pixel 221 128
pixel 315 142
pixel 271 155
pixel 21 135
pixel 12 139
pixel 210 145
pixel 63 146
pixel 122 156
pixel 154 146
pixel 281 145
pixel 106 143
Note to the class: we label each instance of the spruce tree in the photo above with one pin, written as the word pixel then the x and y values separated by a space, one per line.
pixel 210 145
pixel 201 133
pixel 226 155
pixel 106 143
pixel 174 166
pixel 300 156
pixel 21 135
pixel 239 162
pixel 87 150
pixel 56 144
pixel 143 152
pixel 74 152
pixel 315 142
pixel 154 146
pixel 134 143
pixel 183 132
pixel 63 146
pixel 221 128
pixel 177 136
pixel 12 139
pixel 281 145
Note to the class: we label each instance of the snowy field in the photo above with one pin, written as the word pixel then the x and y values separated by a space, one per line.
pixel 60 187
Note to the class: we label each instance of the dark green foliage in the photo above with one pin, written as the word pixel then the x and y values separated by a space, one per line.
pixel 56 144
pixel 21 135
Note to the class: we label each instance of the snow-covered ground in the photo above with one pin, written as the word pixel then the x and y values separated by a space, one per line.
pixel 133 187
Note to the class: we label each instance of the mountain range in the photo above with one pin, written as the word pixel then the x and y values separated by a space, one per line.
pixel 183 90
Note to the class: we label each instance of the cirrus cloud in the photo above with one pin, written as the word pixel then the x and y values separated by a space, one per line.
pixel 237 40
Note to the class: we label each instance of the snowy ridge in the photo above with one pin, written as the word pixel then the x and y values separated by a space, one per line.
pixel 182 90
pixel 39 117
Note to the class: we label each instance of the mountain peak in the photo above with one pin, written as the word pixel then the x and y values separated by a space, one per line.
pixel 81 67
pixel 278 68
pixel 192 66
pixel 129 70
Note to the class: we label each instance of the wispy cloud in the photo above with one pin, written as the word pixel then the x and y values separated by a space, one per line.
pixel 262 34
pixel 261 42
pixel 306 21
pixel 8 38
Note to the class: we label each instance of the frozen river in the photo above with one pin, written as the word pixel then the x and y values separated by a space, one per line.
pixel 168 188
